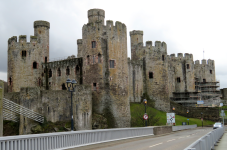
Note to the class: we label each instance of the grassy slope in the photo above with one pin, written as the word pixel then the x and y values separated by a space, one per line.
pixel 179 119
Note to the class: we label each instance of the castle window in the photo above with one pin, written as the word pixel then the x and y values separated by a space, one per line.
pixel 59 72
pixel 45 59
pixel 23 53
pixel 93 44
pixel 67 71
pixel 94 87
pixel 10 81
pixel 150 75
pixel 88 59
pixel 204 80
pixel 163 57
pixel 99 58
pixel 178 79
pixel 35 65
pixel 210 71
pixel 77 69
pixel 112 63
pixel 50 73
pixel 63 86
pixel 188 66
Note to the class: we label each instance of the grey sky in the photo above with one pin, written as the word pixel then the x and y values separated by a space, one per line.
pixel 186 27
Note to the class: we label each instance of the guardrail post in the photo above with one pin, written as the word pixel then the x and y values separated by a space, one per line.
pixel 1 107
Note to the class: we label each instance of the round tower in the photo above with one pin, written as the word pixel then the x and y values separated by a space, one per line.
pixel 96 16
pixel 136 37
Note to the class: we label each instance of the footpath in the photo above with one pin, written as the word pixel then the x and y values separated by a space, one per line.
pixel 222 144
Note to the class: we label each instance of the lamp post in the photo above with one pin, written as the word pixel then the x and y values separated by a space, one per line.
pixel 187 116
pixel 202 118
pixel 71 87
pixel 145 104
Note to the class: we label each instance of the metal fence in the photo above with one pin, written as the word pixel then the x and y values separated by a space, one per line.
pixel 207 142
pixel 178 128
pixel 65 140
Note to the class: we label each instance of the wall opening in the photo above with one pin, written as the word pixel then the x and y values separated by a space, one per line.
pixel 67 71
pixel 150 75
pixel 77 69
pixel 88 59
pixel 163 57
pixel 45 59
pixel 99 58
pixel 35 65
pixel 204 80
pixel 59 72
pixel 50 73
pixel 188 66
pixel 210 71
pixel 94 86
pixel 63 86
pixel 24 53
pixel 10 81
pixel 112 63
pixel 178 79
pixel 93 44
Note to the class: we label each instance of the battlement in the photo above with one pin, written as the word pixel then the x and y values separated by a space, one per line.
pixel 136 32
pixel 79 41
pixel 39 23
pixel 135 62
pixel 13 38
pixel 23 38
pixel 180 56
pixel 67 62
pixel 148 43
pixel 205 62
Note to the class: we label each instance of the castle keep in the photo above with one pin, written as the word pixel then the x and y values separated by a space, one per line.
pixel 107 79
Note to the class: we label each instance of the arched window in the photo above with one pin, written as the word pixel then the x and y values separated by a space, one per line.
pixel 50 73
pixel 67 71
pixel 63 86
pixel 99 58
pixel 77 69
pixel 88 59
pixel 59 72
pixel 35 65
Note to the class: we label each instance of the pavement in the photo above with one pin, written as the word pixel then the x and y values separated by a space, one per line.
pixel 222 144
pixel 174 141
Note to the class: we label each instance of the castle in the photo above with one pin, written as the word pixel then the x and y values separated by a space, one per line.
pixel 107 79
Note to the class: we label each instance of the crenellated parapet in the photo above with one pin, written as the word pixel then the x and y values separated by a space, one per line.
pixel 63 63
pixel 12 39
pixel 41 23
pixel 181 56
pixel 205 62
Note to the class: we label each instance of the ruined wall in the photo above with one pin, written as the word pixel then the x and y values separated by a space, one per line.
pixel 58 72
pixel 205 70
pixel 135 80
pixel 109 83
pixel 22 55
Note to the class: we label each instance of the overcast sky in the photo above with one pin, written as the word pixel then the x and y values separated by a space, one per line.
pixel 186 27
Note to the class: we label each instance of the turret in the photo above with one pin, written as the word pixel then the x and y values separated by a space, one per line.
pixel 96 16
pixel 136 37
pixel 41 31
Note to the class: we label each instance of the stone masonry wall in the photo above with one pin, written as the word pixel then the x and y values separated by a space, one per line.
pixel 22 55
pixel 1 107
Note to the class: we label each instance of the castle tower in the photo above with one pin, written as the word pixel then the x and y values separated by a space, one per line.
pixel 136 38
pixel 25 58
pixel 105 69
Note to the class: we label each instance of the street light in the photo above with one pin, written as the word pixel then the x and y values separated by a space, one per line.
pixel 145 104
pixel 202 118
pixel 71 87
pixel 187 116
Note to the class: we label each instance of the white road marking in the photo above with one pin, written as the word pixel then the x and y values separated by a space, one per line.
pixel 180 137
pixel 171 140
pixel 188 136
pixel 156 144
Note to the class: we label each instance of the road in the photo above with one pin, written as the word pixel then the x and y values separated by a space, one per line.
pixel 175 141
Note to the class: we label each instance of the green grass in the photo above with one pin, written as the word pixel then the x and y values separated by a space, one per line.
pixel 162 115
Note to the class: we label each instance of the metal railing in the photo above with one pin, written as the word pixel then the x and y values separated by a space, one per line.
pixel 207 141
pixel 18 109
pixel 178 128
pixel 65 140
